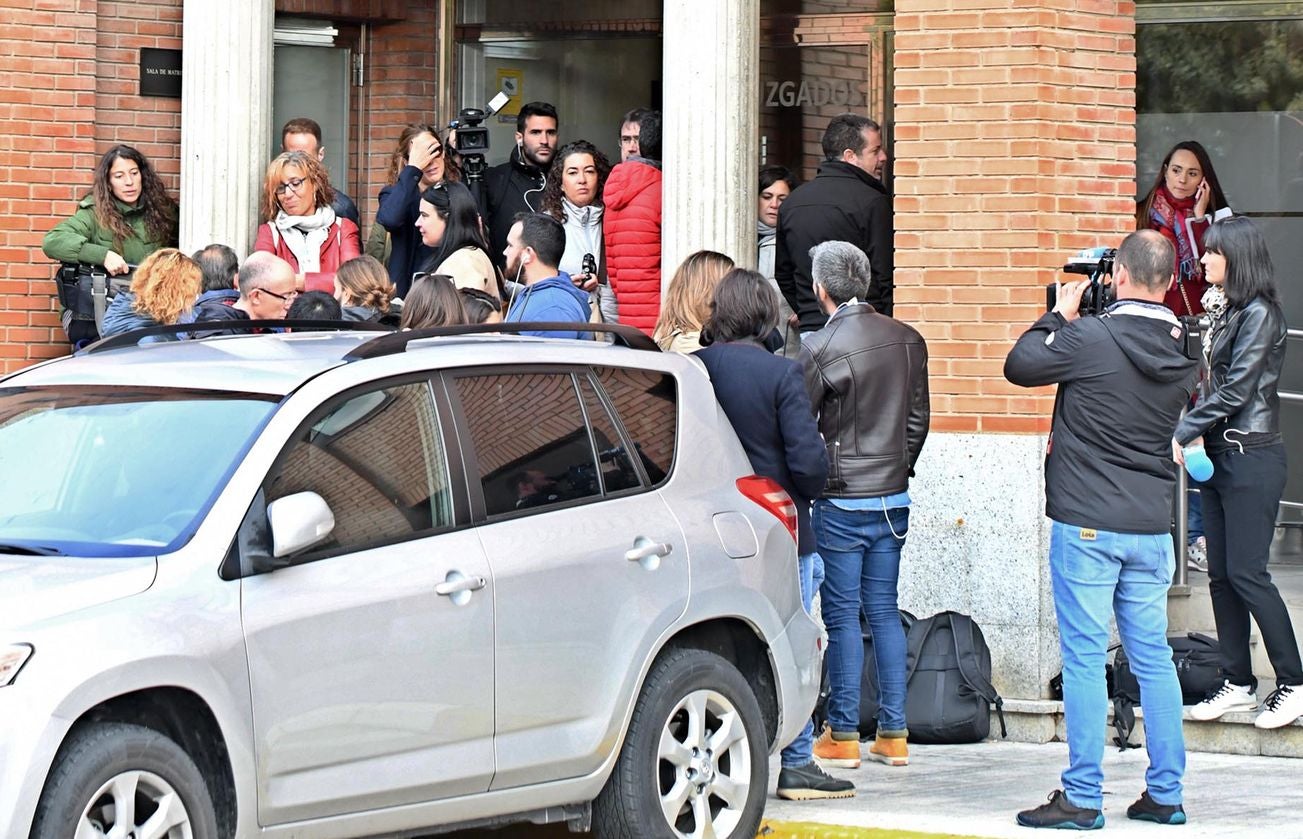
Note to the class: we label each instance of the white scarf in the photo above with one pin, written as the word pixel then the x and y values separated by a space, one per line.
pixel 304 236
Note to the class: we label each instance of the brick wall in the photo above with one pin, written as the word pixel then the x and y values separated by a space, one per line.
pixel 1015 147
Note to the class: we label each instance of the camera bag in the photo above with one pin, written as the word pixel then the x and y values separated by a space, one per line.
pixel 84 293
pixel 1198 668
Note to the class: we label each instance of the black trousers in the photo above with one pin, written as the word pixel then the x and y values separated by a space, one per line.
pixel 1240 502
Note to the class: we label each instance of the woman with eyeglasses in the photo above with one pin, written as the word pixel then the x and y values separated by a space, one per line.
pixel 127 215
pixel 449 223
pixel 419 162
pixel 299 225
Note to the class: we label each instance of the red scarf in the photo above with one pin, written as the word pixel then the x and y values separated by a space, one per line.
pixel 1166 210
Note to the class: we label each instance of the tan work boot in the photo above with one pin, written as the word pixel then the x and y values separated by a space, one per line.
pixel 841 750
pixel 891 749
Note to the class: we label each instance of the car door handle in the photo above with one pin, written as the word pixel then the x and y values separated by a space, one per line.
pixel 644 548
pixel 451 587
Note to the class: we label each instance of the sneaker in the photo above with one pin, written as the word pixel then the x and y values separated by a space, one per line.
pixel 1283 706
pixel 809 782
pixel 1147 809
pixel 1196 555
pixel 844 754
pixel 1059 813
pixel 893 751
pixel 1228 697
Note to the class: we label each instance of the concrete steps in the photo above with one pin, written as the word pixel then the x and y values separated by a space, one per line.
pixel 1041 721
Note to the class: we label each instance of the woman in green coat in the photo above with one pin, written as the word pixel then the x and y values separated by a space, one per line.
pixel 127 216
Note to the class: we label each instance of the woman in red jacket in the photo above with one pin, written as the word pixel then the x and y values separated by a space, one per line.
pixel 299 225
pixel 1180 206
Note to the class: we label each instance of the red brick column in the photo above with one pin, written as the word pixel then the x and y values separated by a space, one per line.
pixel 1015 147
pixel 47 150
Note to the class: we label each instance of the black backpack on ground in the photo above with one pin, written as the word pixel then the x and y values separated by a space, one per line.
pixel 868 682
pixel 948 677
pixel 1198 667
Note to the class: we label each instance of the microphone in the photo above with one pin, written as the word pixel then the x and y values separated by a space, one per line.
pixel 1197 463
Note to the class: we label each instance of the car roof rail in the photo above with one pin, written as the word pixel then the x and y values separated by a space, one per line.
pixel 397 342
pixel 132 338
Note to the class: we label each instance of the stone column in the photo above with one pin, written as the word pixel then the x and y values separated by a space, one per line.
pixel 712 86
pixel 226 98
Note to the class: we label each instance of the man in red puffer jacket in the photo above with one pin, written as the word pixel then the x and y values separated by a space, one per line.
pixel 631 229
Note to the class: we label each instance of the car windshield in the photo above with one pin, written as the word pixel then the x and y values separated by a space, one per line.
pixel 116 471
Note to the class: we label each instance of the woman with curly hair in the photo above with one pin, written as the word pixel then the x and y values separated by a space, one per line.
pixel 572 194
pixel 299 224
pixel 127 216
pixel 687 301
pixel 163 291
pixel 420 161
pixel 363 289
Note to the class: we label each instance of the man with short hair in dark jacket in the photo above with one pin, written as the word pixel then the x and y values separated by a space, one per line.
pixel 1123 378
pixel 848 202
pixel 867 378
pixel 516 186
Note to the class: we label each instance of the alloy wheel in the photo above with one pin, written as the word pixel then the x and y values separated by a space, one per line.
pixel 134 805
pixel 704 766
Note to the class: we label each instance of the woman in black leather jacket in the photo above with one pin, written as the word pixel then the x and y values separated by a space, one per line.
pixel 1238 419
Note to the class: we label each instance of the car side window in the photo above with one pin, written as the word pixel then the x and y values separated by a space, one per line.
pixel 647 404
pixel 532 444
pixel 377 458
pixel 615 466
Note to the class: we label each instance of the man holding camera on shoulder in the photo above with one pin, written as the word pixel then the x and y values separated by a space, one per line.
pixel 1123 377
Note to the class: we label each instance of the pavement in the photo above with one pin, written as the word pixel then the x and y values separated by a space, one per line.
pixel 975 790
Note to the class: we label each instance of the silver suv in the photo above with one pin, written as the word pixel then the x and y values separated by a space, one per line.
pixel 335 585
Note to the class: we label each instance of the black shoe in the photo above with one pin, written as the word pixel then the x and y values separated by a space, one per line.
pixel 808 782
pixel 1147 809
pixel 1059 813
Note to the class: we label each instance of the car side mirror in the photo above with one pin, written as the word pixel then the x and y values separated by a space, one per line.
pixel 298 521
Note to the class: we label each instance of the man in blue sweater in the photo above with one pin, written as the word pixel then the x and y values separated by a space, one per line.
pixel 535 245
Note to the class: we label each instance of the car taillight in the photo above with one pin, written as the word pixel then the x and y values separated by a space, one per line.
pixel 768 494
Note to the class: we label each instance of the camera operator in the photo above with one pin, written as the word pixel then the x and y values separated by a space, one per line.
pixel 1123 379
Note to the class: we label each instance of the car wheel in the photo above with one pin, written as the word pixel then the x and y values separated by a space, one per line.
pixel 120 780
pixel 695 762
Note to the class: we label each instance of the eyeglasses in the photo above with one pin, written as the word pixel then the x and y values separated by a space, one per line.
pixel 285 297
pixel 293 183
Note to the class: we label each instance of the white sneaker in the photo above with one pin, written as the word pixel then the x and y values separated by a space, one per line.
pixel 1283 706
pixel 1196 555
pixel 1228 697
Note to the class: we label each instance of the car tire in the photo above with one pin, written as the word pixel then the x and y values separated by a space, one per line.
pixel 128 776
pixel 696 751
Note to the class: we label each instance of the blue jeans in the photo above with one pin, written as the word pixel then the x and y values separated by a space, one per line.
pixel 861 555
pixel 1097 574
pixel 800 751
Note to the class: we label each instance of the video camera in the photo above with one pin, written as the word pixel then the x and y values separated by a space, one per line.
pixel 1097 264
pixel 472 137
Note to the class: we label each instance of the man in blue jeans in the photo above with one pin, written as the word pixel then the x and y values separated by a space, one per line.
pixel 1123 379
pixel 867 378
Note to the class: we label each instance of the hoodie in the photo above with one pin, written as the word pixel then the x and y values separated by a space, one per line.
pixel 555 299
pixel 1123 379
pixel 632 228
pixel 583 236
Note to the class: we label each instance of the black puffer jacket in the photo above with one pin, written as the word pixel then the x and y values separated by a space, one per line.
pixel 509 188
pixel 842 204
pixel 867 379
pixel 1239 405
pixel 1123 379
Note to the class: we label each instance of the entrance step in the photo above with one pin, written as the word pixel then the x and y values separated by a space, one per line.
pixel 1041 721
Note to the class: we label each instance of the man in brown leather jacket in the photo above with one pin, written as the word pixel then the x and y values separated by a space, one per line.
pixel 867 378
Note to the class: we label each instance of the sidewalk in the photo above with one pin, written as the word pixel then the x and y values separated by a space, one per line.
pixel 975 790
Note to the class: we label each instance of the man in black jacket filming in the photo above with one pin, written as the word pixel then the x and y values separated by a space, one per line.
pixel 1123 378
pixel 846 202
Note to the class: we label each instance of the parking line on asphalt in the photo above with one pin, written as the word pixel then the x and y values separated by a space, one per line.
pixel 771 829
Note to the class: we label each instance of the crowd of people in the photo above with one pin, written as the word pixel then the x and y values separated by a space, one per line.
pixel 827 391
